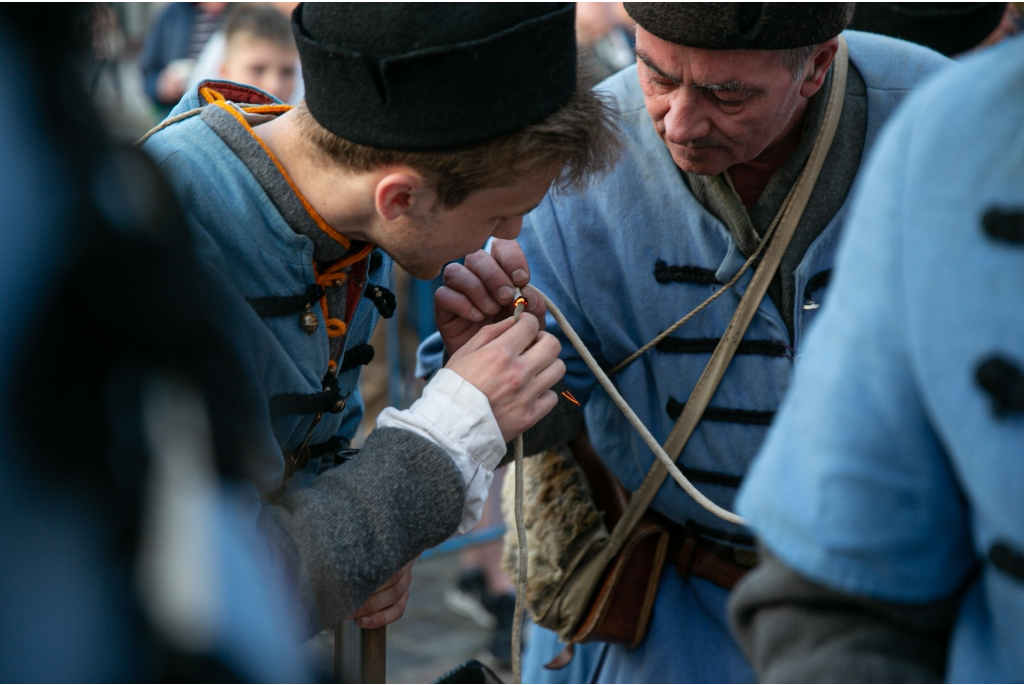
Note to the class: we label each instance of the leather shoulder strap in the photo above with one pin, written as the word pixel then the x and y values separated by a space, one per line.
pixel 780 233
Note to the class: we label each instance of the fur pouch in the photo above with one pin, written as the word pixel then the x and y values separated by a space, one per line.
pixel 561 522
pixel 582 584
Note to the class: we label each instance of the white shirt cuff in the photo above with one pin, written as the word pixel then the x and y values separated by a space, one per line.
pixel 455 415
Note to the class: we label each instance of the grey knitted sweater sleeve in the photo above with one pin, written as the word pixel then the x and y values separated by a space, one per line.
pixel 362 521
pixel 796 631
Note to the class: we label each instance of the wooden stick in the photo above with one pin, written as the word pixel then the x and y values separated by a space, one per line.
pixel 373 654
pixel 360 655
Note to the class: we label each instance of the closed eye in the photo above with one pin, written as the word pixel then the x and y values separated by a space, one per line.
pixel 729 97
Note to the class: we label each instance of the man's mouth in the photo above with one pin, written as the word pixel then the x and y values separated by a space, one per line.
pixel 699 144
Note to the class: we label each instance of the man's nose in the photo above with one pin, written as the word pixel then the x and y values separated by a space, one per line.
pixel 686 119
pixel 509 228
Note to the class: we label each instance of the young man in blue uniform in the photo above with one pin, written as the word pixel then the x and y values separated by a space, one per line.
pixel 409 148
pixel 720 115
pixel 887 494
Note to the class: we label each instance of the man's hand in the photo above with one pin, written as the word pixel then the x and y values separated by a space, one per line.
pixel 387 604
pixel 482 292
pixel 515 364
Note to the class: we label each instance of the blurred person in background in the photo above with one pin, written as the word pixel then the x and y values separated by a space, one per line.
pixel 210 61
pixel 112 75
pixel 300 212
pixel 259 49
pixel 172 46
pixel 605 34
pixel 126 420
pixel 953 28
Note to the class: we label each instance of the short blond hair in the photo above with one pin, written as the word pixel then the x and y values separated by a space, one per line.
pixel 257 20
pixel 582 137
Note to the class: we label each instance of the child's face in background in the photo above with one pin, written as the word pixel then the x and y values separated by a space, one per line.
pixel 263 63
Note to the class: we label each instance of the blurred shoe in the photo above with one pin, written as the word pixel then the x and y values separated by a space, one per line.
pixel 467 600
pixel 503 609
pixel 471 671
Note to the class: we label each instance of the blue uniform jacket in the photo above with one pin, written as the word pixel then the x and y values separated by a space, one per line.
pixel 255 254
pixel 895 468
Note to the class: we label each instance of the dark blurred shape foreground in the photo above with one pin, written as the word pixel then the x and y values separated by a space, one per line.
pixel 125 553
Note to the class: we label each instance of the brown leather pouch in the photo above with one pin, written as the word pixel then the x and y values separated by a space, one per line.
pixel 620 609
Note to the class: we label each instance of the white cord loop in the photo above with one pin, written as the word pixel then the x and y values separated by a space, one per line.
pixel 665 460
pixel 517 618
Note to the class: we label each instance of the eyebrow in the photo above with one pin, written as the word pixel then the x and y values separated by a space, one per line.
pixel 528 210
pixel 522 213
pixel 729 86
pixel 646 59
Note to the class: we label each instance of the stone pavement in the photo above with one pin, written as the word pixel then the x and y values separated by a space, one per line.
pixel 430 639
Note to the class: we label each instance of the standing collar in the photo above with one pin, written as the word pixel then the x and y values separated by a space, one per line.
pixel 233 123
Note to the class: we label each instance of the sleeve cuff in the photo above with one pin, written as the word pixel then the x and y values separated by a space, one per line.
pixel 454 414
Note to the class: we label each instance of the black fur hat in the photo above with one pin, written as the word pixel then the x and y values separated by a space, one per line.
pixel 948 27
pixel 434 76
pixel 742 25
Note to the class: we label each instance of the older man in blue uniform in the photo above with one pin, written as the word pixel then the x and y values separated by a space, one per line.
pixel 888 491
pixel 720 113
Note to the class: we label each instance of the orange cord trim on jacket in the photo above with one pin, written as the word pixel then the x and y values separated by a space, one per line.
pixel 336 271
pixel 223 104
pixel 211 95
pixel 334 275
pixel 266 109
pixel 336 328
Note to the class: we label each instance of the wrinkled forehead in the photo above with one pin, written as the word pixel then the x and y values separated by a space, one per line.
pixel 750 69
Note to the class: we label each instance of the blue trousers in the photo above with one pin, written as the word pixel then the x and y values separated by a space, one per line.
pixel 688 642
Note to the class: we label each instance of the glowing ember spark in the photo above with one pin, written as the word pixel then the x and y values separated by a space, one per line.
pixel 568 395
pixel 520 301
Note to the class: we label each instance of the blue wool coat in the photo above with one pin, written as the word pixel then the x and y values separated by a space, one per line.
pixel 254 253
pixel 894 470
pixel 595 254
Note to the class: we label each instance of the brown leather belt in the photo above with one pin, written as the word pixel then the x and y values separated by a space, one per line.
pixel 695 555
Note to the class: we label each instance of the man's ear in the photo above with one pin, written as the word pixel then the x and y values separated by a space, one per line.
pixel 821 61
pixel 400 192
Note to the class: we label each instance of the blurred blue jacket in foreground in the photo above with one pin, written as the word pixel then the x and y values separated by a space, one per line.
pixel 894 470
pixel 125 552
